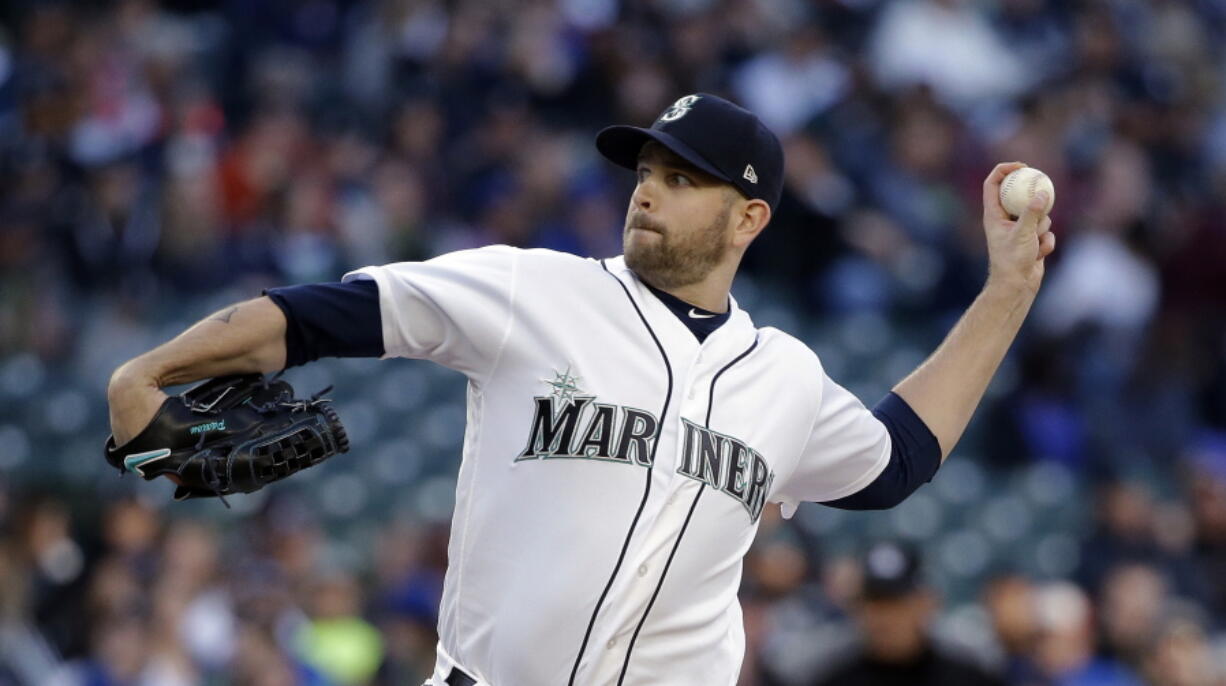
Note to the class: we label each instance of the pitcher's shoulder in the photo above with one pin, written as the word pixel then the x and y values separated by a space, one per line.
pixel 789 351
pixel 544 262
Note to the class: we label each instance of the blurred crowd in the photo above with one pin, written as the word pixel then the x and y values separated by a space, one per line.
pixel 138 599
pixel 152 154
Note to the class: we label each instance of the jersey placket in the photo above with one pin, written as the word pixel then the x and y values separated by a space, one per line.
pixel 663 524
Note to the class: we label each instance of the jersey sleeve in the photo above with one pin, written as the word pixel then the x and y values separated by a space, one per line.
pixel 915 457
pixel 846 449
pixel 454 310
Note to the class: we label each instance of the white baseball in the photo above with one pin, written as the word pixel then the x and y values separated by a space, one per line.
pixel 1020 186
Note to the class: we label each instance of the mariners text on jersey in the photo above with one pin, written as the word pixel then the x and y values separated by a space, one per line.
pixel 607 432
pixel 625 434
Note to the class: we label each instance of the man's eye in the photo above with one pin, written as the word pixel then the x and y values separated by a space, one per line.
pixel 681 180
pixel 642 173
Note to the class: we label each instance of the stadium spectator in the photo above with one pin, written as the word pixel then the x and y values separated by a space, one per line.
pixel 893 614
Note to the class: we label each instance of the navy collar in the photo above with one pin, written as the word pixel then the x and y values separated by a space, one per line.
pixel 699 321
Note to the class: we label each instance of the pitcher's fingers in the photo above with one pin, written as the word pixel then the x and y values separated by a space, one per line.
pixel 1033 215
pixel 1045 225
pixel 1047 244
pixel 991 189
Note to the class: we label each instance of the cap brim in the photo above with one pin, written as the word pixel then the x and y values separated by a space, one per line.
pixel 621 145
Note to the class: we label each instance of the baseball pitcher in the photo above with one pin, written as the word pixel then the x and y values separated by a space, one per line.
pixel 627 421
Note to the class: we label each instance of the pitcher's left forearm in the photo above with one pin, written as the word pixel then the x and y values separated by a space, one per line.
pixel 945 390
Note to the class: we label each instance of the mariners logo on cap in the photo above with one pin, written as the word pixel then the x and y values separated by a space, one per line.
pixel 679 108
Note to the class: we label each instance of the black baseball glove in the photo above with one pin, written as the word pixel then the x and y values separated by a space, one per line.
pixel 232 434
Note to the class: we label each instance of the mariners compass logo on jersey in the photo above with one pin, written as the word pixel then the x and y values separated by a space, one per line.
pixel 569 423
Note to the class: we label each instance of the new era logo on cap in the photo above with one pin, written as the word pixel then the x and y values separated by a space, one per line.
pixel 750 175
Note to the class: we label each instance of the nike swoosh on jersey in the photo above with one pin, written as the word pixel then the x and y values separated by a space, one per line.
pixel 694 313
pixel 135 461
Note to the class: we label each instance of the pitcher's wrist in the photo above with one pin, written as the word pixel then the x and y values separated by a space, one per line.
pixel 1016 290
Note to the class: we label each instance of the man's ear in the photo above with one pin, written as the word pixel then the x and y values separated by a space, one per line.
pixel 751 217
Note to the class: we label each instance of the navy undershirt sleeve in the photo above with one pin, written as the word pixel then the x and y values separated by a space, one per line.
pixel 330 320
pixel 915 456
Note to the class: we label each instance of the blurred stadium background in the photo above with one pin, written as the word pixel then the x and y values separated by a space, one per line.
pixel 159 160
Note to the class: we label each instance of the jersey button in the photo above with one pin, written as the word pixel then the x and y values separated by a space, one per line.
pixel 642 570
pixel 612 642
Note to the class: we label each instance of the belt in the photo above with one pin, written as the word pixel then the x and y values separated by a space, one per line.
pixel 458 677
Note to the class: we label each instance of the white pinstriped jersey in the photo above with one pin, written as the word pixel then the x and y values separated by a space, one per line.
pixel 614 468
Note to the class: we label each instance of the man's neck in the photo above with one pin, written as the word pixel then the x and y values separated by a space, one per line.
pixel 701 322
pixel 710 294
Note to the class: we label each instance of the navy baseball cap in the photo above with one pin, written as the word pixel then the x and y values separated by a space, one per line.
pixel 721 138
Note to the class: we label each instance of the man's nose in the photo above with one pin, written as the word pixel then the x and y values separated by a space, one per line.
pixel 642 196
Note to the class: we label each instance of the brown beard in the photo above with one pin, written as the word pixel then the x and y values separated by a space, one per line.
pixel 674 262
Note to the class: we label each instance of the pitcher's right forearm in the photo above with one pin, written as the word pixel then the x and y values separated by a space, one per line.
pixel 242 338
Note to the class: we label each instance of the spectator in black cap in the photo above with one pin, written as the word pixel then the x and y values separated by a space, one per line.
pixel 893 614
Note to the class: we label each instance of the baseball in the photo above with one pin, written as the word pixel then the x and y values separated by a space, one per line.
pixel 1020 186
